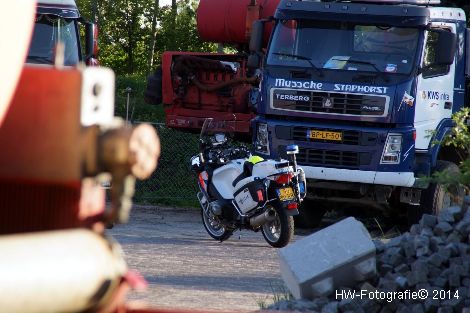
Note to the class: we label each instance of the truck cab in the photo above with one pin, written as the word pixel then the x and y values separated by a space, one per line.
pixel 367 90
pixel 60 21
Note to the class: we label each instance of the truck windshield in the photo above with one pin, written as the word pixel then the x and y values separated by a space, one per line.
pixel 48 30
pixel 344 46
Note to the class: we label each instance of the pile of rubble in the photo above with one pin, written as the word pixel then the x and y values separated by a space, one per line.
pixel 424 270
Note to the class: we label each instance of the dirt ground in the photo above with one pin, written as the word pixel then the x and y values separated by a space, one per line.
pixel 185 268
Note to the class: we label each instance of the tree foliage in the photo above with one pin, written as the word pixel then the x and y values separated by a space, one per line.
pixel 458 139
pixel 129 40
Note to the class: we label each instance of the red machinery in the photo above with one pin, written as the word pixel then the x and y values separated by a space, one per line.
pixel 194 86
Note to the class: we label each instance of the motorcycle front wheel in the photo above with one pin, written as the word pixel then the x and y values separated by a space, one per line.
pixel 279 232
pixel 214 226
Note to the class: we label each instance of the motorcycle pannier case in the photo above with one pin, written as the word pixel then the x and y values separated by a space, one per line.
pixel 250 196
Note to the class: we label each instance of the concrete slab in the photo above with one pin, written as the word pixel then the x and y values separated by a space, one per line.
pixel 339 255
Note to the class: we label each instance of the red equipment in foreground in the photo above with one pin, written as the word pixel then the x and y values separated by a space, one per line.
pixel 194 86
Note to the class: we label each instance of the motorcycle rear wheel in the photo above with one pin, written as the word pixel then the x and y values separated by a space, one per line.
pixel 214 227
pixel 280 231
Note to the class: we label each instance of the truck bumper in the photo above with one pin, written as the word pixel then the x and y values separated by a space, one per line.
pixel 399 179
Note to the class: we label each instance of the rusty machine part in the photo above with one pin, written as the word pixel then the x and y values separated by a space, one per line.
pixel 124 152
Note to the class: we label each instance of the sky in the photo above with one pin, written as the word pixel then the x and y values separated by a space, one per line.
pixel 165 2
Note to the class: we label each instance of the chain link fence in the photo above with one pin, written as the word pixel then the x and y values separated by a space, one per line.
pixel 172 183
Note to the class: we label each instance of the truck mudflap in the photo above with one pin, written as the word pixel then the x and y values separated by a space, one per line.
pixel 196 86
pixel 399 179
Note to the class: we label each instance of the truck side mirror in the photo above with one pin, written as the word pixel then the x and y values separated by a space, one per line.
pixel 91 41
pixel 446 47
pixel 256 38
pixel 253 61
pixel 256 44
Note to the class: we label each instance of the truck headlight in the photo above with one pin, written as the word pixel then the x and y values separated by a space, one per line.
pixel 262 139
pixel 392 149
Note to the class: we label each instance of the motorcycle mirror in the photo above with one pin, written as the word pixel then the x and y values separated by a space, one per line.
pixel 220 138
pixel 195 161
pixel 292 149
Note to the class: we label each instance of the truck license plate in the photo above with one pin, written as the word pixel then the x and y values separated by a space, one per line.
pixel 325 135
pixel 286 194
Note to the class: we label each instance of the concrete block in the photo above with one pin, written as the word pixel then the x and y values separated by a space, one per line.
pixel 435 243
pixel 427 232
pixel 428 221
pixel 442 228
pixel 401 281
pixel 370 306
pixel 440 282
pixel 331 307
pixel 402 269
pixel 445 253
pixel 417 308
pixel 434 271
pixel 430 304
pixel 454 237
pixel 339 255
pixel 445 309
pixel 466 282
pixel 415 229
pixel 463 227
pixel 445 216
pixel 457 212
pixel 454 280
pixel 384 269
pixel 436 259
pixel 453 249
pixel 409 250
pixel 403 309
pixel 379 245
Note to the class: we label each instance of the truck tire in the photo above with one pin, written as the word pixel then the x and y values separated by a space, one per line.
pixel 310 214
pixel 437 196
pixel 153 91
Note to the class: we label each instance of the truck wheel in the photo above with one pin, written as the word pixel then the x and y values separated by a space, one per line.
pixel 310 214
pixel 153 92
pixel 437 196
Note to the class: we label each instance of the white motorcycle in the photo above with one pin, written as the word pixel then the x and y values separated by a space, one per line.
pixel 242 191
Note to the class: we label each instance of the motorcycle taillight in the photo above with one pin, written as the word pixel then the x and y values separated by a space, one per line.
pixel 292 206
pixel 283 179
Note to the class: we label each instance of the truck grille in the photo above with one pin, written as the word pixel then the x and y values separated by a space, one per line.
pixel 341 159
pixel 329 102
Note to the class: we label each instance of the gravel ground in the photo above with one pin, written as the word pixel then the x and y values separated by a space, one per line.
pixel 186 268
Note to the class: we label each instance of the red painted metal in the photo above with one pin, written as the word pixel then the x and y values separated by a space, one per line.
pixel 40 176
pixel 188 111
pixel 229 21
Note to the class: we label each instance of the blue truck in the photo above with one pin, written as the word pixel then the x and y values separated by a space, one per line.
pixel 367 90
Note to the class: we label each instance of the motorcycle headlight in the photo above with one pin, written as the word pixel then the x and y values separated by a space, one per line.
pixel 262 139
pixel 392 149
